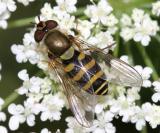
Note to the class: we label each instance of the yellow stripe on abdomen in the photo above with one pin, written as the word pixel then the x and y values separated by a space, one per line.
pixel 81 56
pixel 69 67
pixel 101 87
pixel 84 70
pixel 92 80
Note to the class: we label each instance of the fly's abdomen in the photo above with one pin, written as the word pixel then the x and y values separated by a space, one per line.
pixel 84 70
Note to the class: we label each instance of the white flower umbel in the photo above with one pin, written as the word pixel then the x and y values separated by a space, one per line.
pixel 156 8
pixel 134 27
pixel 156 95
pixel 101 13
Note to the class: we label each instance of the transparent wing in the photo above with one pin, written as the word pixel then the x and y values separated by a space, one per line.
pixel 81 103
pixel 119 72
pixel 122 73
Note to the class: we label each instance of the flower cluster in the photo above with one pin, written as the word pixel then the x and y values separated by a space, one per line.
pixel 156 8
pixel 40 100
pixel 134 27
pixel 6 7
pixel 42 97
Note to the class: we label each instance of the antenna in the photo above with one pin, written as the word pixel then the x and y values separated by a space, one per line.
pixel 39 18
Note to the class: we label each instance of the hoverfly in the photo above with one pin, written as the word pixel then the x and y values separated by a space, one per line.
pixel 79 73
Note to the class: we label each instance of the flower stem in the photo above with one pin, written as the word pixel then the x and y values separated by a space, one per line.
pixel 20 22
pixel 13 96
pixel 116 51
pixel 157 38
pixel 129 52
pixel 144 130
pixel 148 61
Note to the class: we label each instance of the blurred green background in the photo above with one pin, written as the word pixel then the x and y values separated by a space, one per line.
pixel 10 67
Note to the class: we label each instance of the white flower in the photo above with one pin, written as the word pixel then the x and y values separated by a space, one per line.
pixel 74 126
pixel 141 21
pixel 46 12
pixel 23 75
pixel 6 6
pixel 127 33
pixel 99 12
pixel 102 124
pixel 125 58
pixel 28 51
pixel 84 26
pixel 3 129
pixel 138 117
pixel 145 73
pixel 111 20
pixel 25 2
pixel 52 104
pixel 17 118
pixel 34 87
pixel 122 106
pixel 152 114
pixel 156 96
pixel 20 114
pixel 45 130
pixel 135 27
pixel 2 117
pixel 125 20
pixel 64 6
pixel 156 8
pixel 102 40
pixel 67 23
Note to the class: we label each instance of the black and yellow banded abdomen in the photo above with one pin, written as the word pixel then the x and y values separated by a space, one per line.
pixel 84 70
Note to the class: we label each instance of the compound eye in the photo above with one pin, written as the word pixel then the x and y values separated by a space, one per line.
pixel 38 36
pixel 50 24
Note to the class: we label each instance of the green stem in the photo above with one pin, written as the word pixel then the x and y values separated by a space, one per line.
pixel 79 12
pixel 13 96
pixel 148 61
pixel 157 37
pixel 144 130
pixel 116 51
pixel 20 22
pixel 129 52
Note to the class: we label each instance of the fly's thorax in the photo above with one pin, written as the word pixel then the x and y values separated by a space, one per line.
pixel 57 42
